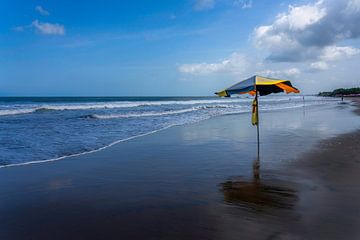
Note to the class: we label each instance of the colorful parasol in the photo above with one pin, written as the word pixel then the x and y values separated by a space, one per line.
pixel 262 86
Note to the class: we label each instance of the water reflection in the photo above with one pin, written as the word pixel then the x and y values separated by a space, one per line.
pixel 258 194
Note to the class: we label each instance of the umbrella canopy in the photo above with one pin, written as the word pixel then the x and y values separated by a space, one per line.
pixel 262 85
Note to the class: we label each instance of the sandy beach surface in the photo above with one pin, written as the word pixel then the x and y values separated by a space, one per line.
pixel 199 181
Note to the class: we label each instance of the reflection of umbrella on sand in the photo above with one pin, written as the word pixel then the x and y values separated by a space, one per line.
pixel 258 196
pixel 255 195
pixel 258 85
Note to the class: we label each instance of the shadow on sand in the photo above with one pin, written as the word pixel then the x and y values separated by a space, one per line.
pixel 257 194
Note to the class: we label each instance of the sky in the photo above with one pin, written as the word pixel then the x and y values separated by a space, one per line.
pixel 174 47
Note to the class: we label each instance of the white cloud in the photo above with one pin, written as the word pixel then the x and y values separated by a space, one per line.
pixel 319 66
pixel 333 53
pixel 43 27
pixel 311 31
pixel 42 11
pixel 201 5
pixel 48 28
pixel 235 64
pixel 286 73
pixel 301 17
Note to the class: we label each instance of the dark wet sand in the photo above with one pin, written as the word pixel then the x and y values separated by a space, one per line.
pixel 333 187
pixel 170 186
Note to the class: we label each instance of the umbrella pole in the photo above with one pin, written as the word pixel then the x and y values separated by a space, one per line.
pixel 257 125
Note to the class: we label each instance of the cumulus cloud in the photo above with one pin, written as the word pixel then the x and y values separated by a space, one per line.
pixel 235 64
pixel 201 5
pixel 286 73
pixel 42 11
pixel 48 28
pixel 333 53
pixel 311 32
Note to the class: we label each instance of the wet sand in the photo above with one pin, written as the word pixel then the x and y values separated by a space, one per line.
pixel 190 182
pixel 332 186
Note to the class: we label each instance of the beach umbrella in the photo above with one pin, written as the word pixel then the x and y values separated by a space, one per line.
pixel 257 85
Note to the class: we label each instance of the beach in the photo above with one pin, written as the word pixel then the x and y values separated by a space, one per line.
pixel 198 181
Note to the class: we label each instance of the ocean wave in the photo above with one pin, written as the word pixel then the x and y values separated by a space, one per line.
pixel 135 115
pixel 216 103
pixel 155 114
pixel 16 111
pixel 113 105
pixel 5 112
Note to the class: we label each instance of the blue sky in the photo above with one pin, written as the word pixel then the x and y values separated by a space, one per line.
pixel 190 47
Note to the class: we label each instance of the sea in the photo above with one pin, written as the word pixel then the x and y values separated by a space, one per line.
pixel 40 129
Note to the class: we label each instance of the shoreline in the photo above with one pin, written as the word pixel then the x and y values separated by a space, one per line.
pixel 134 137
pixel 84 153
pixel 194 181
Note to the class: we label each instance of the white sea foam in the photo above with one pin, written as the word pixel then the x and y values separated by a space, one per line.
pixel 225 103
pixel 15 111
pixel 156 114
pixel 146 114
pixel 44 108
pixel 111 105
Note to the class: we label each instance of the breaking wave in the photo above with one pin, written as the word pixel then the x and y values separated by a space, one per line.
pixel 15 111
pixel 155 114
pixel 114 105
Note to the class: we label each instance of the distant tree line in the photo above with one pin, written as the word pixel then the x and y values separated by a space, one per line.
pixel 340 92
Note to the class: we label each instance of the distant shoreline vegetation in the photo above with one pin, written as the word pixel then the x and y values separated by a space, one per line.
pixel 350 92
